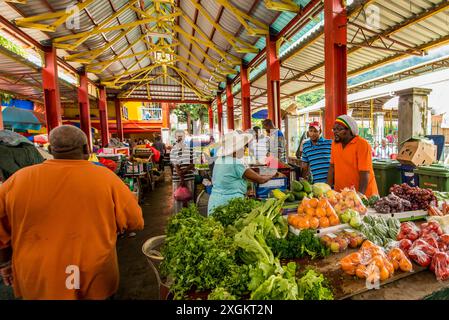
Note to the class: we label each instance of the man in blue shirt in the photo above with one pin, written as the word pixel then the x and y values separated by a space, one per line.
pixel 316 154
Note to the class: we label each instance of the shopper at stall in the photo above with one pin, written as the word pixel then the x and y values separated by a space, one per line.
pixel 384 150
pixel 60 220
pixel 351 162
pixel 275 142
pixel 228 178
pixel 258 146
pixel 316 154
pixel 160 146
pixel 181 156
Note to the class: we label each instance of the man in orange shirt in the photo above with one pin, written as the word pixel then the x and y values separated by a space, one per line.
pixel 60 219
pixel 351 159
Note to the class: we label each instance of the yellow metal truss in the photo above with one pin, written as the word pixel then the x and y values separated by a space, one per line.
pixel 282 5
pixel 245 19
pixel 238 44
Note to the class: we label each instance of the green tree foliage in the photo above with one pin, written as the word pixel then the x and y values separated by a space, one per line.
pixel 11 46
pixel 192 112
pixel 308 99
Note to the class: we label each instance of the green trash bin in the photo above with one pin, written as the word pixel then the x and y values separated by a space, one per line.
pixel 435 177
pixel 387 174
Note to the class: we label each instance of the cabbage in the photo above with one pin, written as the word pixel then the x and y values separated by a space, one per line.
pixel 320 188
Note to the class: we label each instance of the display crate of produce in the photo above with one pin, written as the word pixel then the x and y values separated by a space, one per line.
pixel 134 168
pixel 263 190
pixel 142 152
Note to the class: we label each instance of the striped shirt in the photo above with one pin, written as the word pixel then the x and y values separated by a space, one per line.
pixel 276 145
pixel 318 157
pixel 182 155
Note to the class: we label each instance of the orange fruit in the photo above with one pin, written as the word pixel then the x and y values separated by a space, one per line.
pixel 324 222
pixel 313 202
pixel 384 274
pixel 361 271
pixel 320 212
pixel 300 210
pixel 314 222
pixel 355 257
pixel 310 212
pixel 395 264
pixel 389 267
pixel 330 211
pixel 367 244
pixel 405 265
pixel 323 203
pixel 303 222
pixel 378 261
pixel 333 219
pixel 290 219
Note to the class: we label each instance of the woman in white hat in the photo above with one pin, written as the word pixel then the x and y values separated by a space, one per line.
pixel 228 178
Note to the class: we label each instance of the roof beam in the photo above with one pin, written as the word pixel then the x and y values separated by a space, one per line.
pixel 245 19
pixel 282 5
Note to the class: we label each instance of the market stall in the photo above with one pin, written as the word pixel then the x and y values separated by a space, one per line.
pixel 327 245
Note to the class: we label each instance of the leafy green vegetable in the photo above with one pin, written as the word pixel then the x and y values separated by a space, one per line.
pixel 221 293
pixel 234 210
pixel 197 254
pixel 313 286
pixel 255 249
pixel 280 284
pixel 306 243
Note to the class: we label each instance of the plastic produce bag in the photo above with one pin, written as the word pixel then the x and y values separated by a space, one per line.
pixel 408 231
pixel 422 252
pixel 349 199
pixel 440 265
pixel 182 194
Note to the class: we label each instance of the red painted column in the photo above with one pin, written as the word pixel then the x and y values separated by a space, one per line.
pixel 1 118
pixel 219 113
pixel 103 108
pixel 273 82
pixel 230 106
pixel 211 119
pixel 118 119
pixel 246 97
pixel 52 100
pixel 83 102
pixel 165 115
pixel 335 63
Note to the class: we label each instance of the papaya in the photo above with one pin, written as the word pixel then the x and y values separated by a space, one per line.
pixel 297 186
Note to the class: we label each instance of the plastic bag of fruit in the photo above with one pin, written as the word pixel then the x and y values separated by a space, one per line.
pixel 317 213
pixel 349 199
pixel 422 252
pixel 355 238
pixel 399 260
pixel 409 231
pixel 336 243
pixel 440 265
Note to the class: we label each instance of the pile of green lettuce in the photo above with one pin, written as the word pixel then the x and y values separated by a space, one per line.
pixel 236 208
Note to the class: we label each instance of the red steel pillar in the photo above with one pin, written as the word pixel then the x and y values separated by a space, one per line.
pixel 52 100
pixel 211 118
pixel 219 113
pixel 246 98
pixel 165 115
pixel 1 117
pixel 230 106
pixel 118 119
pixel 103 109
pixel 273 81
pixel 335 62
pixel 83 102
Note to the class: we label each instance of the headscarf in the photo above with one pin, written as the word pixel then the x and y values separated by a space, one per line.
pixel 348 122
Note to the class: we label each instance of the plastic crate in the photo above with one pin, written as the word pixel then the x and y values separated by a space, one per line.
pixel 263 190
pixel 435 177
pixel 408 176
pixel 134 168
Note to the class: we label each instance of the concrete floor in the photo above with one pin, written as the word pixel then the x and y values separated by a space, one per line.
pixel 137 280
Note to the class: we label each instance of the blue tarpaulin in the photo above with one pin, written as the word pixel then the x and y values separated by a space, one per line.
pixel 20 119
pixel 21 104
pixel 261 114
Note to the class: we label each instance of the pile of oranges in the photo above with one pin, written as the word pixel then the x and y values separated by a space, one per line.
pixel 371 263
pixel 313 214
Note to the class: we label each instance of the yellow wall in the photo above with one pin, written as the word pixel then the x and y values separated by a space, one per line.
pixel 72 111
pixel 134 110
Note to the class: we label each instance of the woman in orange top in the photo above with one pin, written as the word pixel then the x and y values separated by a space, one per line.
pixel 351 159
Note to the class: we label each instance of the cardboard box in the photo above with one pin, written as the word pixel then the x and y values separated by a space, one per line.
pixel 417 153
